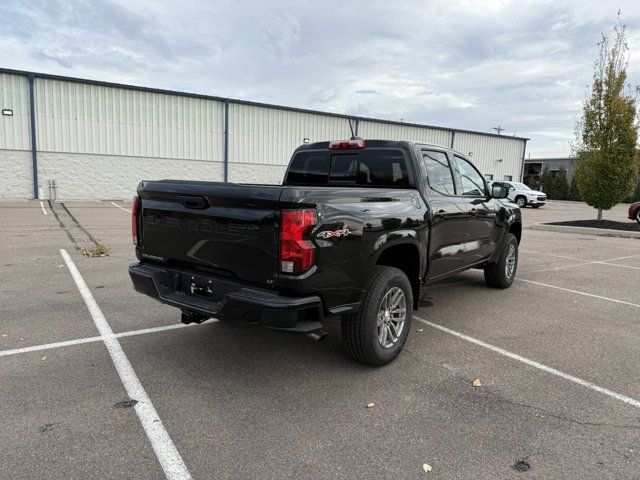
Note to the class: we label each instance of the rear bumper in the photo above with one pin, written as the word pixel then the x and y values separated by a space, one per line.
pixel 229 299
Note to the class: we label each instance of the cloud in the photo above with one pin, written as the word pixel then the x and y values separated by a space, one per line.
pixel 475 65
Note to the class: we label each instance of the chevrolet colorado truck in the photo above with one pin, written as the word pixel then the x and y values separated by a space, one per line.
pixel 355 231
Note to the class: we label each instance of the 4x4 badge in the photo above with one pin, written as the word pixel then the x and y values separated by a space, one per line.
pixel 333 233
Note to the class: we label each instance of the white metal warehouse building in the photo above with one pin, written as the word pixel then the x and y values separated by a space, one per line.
pixel 69 138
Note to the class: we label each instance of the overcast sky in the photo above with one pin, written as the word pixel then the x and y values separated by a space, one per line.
pixel 522 65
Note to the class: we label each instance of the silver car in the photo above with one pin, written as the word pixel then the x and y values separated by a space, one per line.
pixel 522 195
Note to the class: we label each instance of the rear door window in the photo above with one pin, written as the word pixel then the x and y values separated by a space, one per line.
pixel 438 172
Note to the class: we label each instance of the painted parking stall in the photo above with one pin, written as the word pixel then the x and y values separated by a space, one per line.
pixel 555 356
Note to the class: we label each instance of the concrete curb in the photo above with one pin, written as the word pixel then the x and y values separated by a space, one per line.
pixel 603 232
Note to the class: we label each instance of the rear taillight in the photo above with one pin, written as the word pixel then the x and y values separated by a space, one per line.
pixel 296 249
pixel 353 144
pixel 134 220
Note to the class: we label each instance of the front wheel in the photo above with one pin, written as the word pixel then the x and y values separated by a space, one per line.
pixel 638 216
pixel 521 201
pixel 376 334
pixel 500 274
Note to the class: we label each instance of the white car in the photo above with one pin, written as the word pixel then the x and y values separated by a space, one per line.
pixel 522 195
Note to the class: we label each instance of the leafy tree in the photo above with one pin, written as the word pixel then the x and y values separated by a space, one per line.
pixel 574 192
pixel 608 131
pixel 546 181
pixel 559 185
pixel 635 195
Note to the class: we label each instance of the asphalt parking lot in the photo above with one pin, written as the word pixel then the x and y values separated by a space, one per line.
pixel 557 355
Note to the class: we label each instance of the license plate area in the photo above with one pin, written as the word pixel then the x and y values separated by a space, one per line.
pixel 201 288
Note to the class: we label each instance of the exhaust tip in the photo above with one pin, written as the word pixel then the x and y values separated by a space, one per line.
pixel 317 335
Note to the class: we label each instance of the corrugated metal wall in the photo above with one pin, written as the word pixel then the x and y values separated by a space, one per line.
pixel 90 129
pixel 267 136
pixel 391 131
pixel 486 151
pixel 14 95
pixel 84 118
pixel 569 164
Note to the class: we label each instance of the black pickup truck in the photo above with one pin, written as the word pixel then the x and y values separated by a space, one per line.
pixel 354 232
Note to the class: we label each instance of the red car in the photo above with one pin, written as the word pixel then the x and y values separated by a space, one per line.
pixel 634 211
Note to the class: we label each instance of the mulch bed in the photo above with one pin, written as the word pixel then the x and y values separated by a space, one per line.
pixel 629 226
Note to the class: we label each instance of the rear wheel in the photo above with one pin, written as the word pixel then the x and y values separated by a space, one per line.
pixel 376 334
pixel 638 215
pixel 500 274
pixel 521 201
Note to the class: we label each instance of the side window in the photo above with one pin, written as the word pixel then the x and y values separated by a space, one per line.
pixel 438 172
pixel 472 181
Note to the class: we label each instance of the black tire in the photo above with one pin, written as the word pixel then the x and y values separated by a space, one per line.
pixel 521 201
pixel 496 273
pixel 360 330
pixel 638 215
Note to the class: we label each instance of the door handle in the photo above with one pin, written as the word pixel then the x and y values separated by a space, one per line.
pixel 439 214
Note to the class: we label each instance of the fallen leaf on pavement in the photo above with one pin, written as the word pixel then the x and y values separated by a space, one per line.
pixel 477 383
pixel 420 329
pixel 426 467
pixel 371 405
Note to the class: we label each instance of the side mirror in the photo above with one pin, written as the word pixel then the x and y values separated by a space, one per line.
pixel 499 191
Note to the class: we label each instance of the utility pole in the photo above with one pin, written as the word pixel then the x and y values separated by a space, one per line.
pixel 498 129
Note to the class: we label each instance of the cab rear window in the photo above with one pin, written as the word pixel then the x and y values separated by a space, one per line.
pixel 373 168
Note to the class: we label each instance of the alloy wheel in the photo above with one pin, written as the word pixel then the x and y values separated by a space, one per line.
pixel 392 314
pixel 510 264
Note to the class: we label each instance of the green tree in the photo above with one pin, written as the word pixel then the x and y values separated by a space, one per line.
pixel 546 181
pixel 634 196
pixel 574 192
pixel 608 131
pixel 559 185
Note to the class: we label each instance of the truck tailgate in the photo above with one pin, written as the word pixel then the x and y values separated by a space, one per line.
pixel 223 229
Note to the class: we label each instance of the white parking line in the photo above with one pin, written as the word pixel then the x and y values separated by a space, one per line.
pixel 582 262
pixel 579 292
pixel 620 258
pixel 618 396
pixel 168 456
pixel 121 208
pixel 553 255
pixel 549 269
pixel 80 341
pixel 616 265
pixel 43 209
